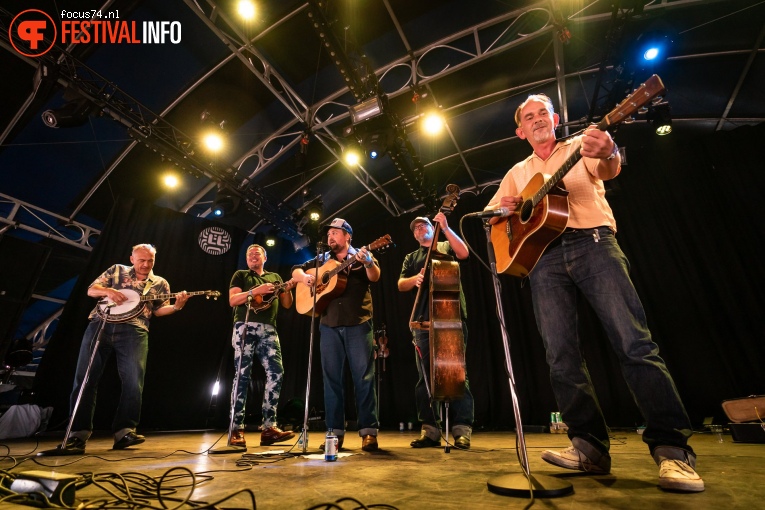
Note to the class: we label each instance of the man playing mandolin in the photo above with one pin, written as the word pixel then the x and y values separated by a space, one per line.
pixel 263 292
pixel 346 333
pixel 586 260
pixel 412 276
pixel 129 340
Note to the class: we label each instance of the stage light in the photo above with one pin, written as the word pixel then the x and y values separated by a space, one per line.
pixel 270 242
pixel 246 9
pixel 433 123
pixel 72 114
pixel 213 141
pixel 366 110
pixel 653 46
pixel 352 156
pixel 661 119
pixel 215 388
pixel 315 211
pixel 226 203
pixel 170 180
pixel 376 143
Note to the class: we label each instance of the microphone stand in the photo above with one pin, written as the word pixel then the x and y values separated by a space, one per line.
pixel 230 448
pixel 304 433
pixel 524 485
pixel 61 449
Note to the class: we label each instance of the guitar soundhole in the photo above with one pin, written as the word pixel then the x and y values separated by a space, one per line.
pixel 325 278
pixel 527 208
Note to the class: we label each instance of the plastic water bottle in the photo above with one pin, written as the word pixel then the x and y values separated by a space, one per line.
pixel 330 446
pixel 303 437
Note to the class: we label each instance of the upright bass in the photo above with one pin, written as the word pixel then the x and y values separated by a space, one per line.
pixel 444 323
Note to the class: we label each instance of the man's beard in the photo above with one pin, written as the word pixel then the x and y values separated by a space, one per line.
pixel 541 135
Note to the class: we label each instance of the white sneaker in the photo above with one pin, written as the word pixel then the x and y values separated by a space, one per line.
pixel 679 476
pixel 572 458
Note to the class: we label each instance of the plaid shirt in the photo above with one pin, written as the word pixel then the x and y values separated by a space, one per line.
pixel 124 277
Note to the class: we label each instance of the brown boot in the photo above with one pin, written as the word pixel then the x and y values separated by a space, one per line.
pixel 274 435
pixel 237 438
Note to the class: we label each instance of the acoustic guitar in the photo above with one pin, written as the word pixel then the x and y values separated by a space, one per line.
pixel 520 239
pixel 133 306
pixel 329 282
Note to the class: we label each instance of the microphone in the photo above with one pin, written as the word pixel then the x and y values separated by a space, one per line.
pixel 105 305
pixel 502 212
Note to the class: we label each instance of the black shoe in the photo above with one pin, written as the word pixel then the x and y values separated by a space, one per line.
pixel 129 439
pixel 74 443
pixel 462 442
pixel 424 442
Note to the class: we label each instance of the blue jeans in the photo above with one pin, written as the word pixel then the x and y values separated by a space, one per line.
pixel 130 345
pixel 461 410
pixel 356 343
pixel 591 262
pixel 262 341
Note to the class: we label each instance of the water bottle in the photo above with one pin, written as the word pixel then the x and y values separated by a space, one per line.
pixel 330 446
pixel 303 437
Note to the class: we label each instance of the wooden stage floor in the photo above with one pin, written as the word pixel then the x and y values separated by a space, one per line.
pixel 397 476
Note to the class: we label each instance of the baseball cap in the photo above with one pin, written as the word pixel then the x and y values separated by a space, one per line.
pixel 419 219
pixel 341 224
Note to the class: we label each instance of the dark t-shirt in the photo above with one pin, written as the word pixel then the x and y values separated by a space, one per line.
pixel 246 279
pixel 354 305
pixel 412 265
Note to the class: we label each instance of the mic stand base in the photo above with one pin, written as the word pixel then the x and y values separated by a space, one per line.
pixel 59 451
pixel 228 449
pixel 543 486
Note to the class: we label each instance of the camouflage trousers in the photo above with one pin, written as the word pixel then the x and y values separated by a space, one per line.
pixel 262 341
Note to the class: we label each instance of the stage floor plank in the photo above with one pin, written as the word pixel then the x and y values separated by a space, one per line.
pixel 407 478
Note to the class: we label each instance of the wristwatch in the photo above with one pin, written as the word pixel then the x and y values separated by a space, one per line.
pixel 613 152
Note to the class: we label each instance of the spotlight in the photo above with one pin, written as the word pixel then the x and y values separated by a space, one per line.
pixel 170 180
pixel 351 155
pixel 72 114
pixel 270 242
pixel 376 143
pixel 213 141
pixel 315 211
pixel 661 119
pixel 226 203
pixel 653 46
pixel 366 110
pixel 433 123
pixel 212 136
pixel 246 9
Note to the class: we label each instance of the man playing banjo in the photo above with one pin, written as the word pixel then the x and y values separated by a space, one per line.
pixel 128 339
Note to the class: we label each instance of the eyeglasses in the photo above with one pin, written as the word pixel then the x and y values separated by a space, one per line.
pixel 421 226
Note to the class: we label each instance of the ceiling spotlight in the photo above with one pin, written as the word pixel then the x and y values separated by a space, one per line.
pixel 213 141
pixel 72 114
pixel 246 9
pixel 226 203
pixel 433 123
pixel 170 180
pixel 366 110
pixel 653 46
pixel 352 155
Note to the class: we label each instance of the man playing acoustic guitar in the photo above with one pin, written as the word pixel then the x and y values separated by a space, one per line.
pixel 346 332
pixel 129 340
pixel 586 259
pixel 263 291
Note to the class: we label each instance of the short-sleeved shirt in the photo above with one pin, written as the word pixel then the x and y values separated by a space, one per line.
pixel 354 305
pixel 588 207
pixel 247 279
pixel 121 277
pixel 412 265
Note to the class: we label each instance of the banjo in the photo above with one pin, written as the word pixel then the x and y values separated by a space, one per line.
pixel 133 306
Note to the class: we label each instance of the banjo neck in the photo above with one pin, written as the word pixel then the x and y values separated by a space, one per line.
pixel 157 297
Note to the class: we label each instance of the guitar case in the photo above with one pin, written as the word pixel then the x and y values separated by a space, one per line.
pixel 747 418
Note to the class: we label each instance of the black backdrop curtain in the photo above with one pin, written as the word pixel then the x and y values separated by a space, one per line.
pixel 184 348
pixel 689 214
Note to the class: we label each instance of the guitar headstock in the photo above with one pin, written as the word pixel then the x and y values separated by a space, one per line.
pixel 652 87
pixel 212 294
pixel 380 243
pixel 450 201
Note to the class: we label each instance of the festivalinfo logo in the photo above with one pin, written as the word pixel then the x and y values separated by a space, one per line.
pixel 33 33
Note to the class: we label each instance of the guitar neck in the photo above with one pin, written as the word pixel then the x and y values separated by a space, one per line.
pixel 158 297
pixel 572 160
pixel 346 263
